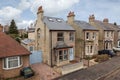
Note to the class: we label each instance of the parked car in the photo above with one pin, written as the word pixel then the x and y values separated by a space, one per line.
pixel 27 72
pixel 111 53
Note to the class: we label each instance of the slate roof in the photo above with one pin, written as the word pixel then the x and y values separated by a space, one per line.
pixel 57 24
pixel 10 47
pixel 31 30
pixel 61 45
pixel 115 27
pixel 94 72
pixel 102 25
pixel 84 25
pixel 27 41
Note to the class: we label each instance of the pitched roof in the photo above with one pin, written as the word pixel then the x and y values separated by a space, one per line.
pixel 27 41
pixel 95 72
pixel 84 25
pixel 102 25
pixel 56 23
pixel 10 47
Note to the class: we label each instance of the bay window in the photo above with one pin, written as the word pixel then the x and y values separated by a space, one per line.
pixel 12 62
pixel 63 55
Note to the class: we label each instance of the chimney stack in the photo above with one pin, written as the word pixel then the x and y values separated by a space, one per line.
pixel 91 18
pixel 105 20
pixel 40 12
pixel 70 17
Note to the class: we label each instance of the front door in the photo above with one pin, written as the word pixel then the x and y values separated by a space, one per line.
pixel 71 53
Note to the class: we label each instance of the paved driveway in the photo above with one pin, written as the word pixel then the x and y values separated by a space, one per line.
pixel 44 72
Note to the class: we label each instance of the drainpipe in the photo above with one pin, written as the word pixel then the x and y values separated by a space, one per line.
pixel 51 49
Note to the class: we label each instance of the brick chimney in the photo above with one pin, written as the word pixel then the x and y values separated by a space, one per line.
pixel 70 17
pixel 106 20
pixel 40 13
pixel 91 18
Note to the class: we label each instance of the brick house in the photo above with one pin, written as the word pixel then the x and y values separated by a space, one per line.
pixel 106 33
pixel 86 41
pixel 13 57
pixel 55 38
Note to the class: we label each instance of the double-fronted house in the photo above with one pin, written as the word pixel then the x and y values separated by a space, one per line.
pixel 55 38
pixel 86 37
pixel 106 33
pixel 13 57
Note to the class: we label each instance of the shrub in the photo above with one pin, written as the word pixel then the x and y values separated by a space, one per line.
pixel 102 58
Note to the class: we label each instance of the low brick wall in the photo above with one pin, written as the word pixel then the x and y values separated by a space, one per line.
pixel 71 68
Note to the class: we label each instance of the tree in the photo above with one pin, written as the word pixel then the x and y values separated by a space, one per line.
pixel 13 28
pixel 13 32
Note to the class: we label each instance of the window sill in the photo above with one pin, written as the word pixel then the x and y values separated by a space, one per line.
pixel 12 67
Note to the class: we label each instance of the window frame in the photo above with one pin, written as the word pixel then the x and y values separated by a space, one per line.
pixel 32 47
pixel 119 43
pixel 7 60
pixel 71 36
pixel 87 35
pixel 59 37
pixel 63 54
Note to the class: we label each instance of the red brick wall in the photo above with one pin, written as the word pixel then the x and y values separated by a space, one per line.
pixel 14 72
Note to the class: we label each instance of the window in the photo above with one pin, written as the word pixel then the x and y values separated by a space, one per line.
pixel 38 33
pixel 107 34
pixel 87 35
pixel 63 55
pixel 118 43
pixel 94 35
pixel 89 49
pixel 60 37
pixel 31 48
pixel 71 35
pixel 60 56
pixel 12 62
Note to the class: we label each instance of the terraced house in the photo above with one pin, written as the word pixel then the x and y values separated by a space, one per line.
pixel 55 38
pixel 106 33
pixel 86 41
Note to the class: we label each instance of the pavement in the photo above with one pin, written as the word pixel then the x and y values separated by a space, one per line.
pixel 91 62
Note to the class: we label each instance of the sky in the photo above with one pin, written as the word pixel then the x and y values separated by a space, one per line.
pixel 24 11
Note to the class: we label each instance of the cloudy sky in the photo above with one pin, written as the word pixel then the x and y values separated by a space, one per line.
pixel 24 11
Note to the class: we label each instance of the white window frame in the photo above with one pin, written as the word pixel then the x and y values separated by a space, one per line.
pixel 63 55
pixel 118 43
pixel 7 60
pixel 89 49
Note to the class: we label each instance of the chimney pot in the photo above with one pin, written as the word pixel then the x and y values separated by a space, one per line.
pixel 71 14
pixel 105 20
pixel 40 10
